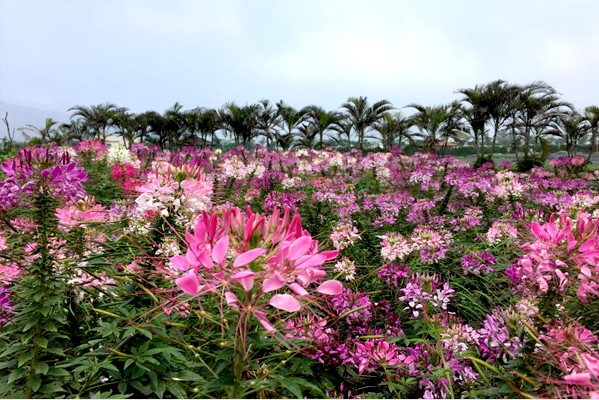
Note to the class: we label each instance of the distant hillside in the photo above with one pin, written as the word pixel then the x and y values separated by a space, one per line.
pixel 19 116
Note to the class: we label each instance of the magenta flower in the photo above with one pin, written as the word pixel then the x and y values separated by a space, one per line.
pixel 41 169
pixel 253 255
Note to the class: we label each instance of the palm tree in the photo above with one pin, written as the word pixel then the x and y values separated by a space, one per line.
pixel 306 136
pixel 125 126
pixel 436 122
pixel 535 107
pixel 175 121
pixel 97 119
pixel 289 121
pixel 363 116
pixel 143 125
pixel 488 104
pixel 72 130
pixel 46 132
pixel 392 127
pixel 267 121
pixel 571 127
pixel 320 121
pixel 240 122
pixel 591 115
pixel 8 141
pixel 208 123
pixel 158 128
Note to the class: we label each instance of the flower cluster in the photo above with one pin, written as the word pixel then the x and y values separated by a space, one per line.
pixel 395 247
pixel 344 235
pixel 501 231
pixel 432 244
pixel 92 148
pixel 478 262
pixel 425 293
pixel 495 340
pixel 262 257
pixel 565 253
pixel 392 273
pixel 119 154
pixel 183 191
pixel 346 268
pixel 5 305
pixel 40 170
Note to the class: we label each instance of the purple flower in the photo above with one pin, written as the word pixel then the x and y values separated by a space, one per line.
pixel 495 340
pixel 356 306
pixel 5 305
pixel 392 273
pixel 478 262
pixel 38 169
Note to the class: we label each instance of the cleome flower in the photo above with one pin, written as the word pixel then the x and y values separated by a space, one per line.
pixel 262 260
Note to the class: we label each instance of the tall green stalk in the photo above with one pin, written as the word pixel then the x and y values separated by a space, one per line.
pixel 35 339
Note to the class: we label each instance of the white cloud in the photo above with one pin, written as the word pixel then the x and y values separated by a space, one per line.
pixel 376 54
pixel 186 19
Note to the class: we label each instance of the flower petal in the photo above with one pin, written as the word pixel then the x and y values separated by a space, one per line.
pixel 248 257
pixel 582 378
pixel 273 283
pixel 189 283
pixel 180 263
pixel 331 287
pixel 298 289
pixel 261 316
pixel 285 302
pixel 232 300
pixel 245 278
pixel 316 259
pixel 219 251
pixel 299 247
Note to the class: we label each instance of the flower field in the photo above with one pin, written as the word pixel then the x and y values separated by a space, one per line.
pixel 147 273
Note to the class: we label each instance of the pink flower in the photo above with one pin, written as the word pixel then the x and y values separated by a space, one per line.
pixel 261 256
pixel 580 378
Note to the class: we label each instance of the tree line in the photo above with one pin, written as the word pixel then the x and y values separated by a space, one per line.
pixel 525 114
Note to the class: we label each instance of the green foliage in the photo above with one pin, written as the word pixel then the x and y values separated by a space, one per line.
pixel 100 183
pixel 481 160
pixel 527 163
pixel 34 342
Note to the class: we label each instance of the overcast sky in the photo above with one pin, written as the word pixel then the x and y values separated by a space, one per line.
pixel 146 55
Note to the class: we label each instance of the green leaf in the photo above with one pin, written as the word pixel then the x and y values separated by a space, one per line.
pixel 176 390
pixel 30 324
pixel 58 372
pixel 291 386
pixel 50 327
pixel 41 368
pixel 137 372
pixel 153 379
pixel 53 387
pixel 108 366
pixel 24 358
pixel 45 310
pixel 7 364
pixel 56 350
pixel 42 342
pixel 130 331
pixel 10 350
pixel 146 333
pixel 17 374
pixel 142 388
pixel 150 360
pixel 188 376
pixel 129 362
pixel 36 382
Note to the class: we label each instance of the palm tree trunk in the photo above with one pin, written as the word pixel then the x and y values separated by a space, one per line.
pixel 495 129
